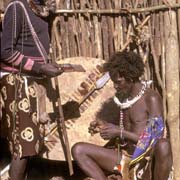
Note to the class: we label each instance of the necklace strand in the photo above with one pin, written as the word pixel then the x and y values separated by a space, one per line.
pixel 128 104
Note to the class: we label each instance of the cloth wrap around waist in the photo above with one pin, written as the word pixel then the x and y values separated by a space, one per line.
pixel 24 105
pixel 138 165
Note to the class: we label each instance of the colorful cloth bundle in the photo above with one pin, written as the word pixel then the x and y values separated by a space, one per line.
pixel 148 138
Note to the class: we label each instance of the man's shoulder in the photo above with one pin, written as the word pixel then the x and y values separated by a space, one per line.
pixel 152 97
pixel 153 103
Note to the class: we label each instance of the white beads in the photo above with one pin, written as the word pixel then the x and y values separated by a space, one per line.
pixel 128 103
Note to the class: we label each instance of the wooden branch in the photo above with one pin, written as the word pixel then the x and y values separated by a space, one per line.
pixel 163 64
pixel 178 23
pixel 98 35
pixel 118 38
pixel 104 29
pixel 61 123
pixel 110 25
pixel 57 36
pixel 113 11
pixel 118 11
pixel 155 58
pixel 83 31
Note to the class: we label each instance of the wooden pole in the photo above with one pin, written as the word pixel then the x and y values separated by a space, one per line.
pixel 61 124
pixel 118 11
pixel 172 83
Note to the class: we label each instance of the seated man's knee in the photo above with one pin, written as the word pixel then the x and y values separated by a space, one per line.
pixel 163 158
pixel 163 151
pixel 163 147
pixel 78 150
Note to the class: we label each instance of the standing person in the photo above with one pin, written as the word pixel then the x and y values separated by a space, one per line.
pixel 138 130
pixel 24 71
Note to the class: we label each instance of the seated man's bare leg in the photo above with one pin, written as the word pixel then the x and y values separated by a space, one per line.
pixel 163 160
pixel 18 169
pixel 93 159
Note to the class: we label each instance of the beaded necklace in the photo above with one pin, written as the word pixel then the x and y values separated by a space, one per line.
pixel 125 105
pixel 128 103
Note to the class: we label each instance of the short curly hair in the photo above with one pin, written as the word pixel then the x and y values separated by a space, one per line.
pixel 128 64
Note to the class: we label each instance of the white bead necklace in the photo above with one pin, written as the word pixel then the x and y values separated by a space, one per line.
pixel 128 103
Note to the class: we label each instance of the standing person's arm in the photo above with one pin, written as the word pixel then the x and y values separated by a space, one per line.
pixel 12 30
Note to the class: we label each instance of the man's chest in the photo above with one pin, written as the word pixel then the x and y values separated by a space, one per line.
pixel 136 115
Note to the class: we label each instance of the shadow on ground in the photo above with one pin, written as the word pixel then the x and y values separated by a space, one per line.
pixel 44 169
pixel 41 169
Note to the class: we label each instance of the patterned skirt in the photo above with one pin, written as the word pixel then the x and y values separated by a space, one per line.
pixel 20 114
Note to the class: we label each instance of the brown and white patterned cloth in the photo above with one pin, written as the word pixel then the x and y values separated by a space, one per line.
pixel 21 113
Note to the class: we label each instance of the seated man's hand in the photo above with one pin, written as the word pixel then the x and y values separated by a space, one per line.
pixel 50 70
pixel 95 126
pixel 109 131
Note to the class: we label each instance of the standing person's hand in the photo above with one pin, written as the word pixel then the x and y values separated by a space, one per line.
pixel 50 70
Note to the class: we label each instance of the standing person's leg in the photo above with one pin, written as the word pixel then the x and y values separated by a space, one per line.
pixel 18 169
pixel 93 159
pixel 163 160
pixel 21 123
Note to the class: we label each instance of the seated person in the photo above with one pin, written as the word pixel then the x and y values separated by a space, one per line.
pixel 138 130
